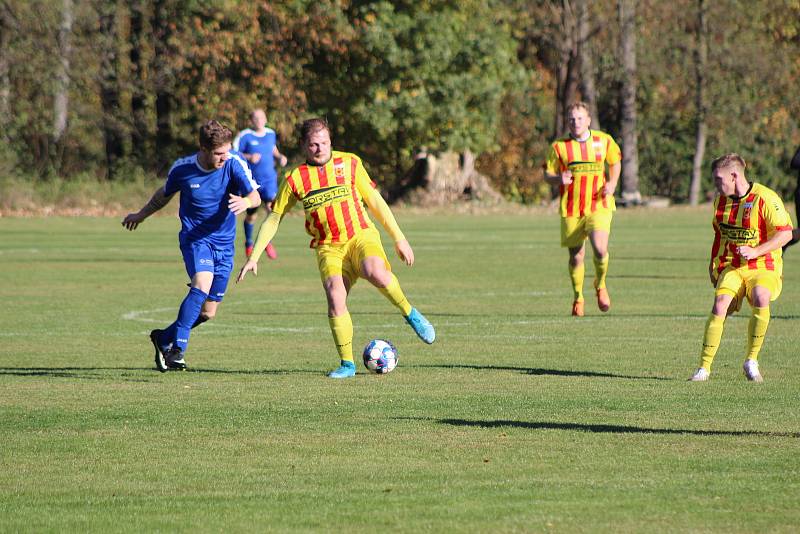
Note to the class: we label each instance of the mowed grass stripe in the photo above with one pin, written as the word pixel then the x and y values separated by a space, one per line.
pixel 518 418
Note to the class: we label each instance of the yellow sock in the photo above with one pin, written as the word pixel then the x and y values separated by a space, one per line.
pixel 600 270
pixel 396 295
pixel 711 340
pixel 342 330
pixel 576 275
pixel 756 330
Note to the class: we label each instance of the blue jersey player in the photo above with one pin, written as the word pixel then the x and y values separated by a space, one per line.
pixel 258 145
pixel 215 185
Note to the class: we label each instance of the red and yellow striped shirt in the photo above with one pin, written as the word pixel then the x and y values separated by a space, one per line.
pixel 587 161
pixel 748 220
pixel 332 196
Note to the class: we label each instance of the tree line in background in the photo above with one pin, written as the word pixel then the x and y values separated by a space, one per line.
pixel 112 87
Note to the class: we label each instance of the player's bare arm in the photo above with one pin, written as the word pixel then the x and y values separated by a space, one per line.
pixel 156 202
pixel 565 178
pixel 379 209
pixel 405 252
pixel 775 242
pixel 239 204
pixel 282 160
pixel 249 266
pixel 613 178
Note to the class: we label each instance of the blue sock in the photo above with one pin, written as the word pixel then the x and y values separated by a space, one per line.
pixel 168 334
pixel 248 234
pixel 187 315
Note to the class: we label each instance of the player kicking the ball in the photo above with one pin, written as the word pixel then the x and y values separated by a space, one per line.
pixel 333 188
pixel 750 226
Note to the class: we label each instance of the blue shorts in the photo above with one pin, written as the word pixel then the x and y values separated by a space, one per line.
pixel 268 188
pixel 203 257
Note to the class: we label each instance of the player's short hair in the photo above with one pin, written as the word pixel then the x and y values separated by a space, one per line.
pixel 312 126
pixel 213 134
pixel 578 105
pixel 723 162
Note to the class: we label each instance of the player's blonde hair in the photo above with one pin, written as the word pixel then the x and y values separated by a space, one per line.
pixel 578 105
pixel 723 162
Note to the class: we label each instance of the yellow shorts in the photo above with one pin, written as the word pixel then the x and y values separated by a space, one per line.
pixel 346 259
pixel 575 230
pixel 740 282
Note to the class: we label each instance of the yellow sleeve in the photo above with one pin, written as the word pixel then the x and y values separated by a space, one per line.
pixel 380 210
pixel 553 164
pixel 284 198
pixel 364 184
pixel 266 232
pixel 613 152
pixel 775 213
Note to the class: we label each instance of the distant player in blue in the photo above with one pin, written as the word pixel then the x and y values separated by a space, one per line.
pixel 215 185
pixel 259 147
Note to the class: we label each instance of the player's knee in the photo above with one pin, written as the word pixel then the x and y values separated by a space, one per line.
pixel 761 299
pixel 721 305
pixel 576 258
pixel 376 273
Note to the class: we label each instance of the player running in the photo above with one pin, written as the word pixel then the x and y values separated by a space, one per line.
pixel 577 165
pixel 333 188
pixel 750 227
pixel 259 147
pixel 215 186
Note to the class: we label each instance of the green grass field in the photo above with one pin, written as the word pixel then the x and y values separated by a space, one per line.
pixel 519 417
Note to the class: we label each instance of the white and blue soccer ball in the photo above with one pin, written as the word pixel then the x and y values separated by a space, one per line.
pixel 380 356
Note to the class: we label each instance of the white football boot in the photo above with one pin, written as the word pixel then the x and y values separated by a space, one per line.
pixel 701 375
pixel 750 368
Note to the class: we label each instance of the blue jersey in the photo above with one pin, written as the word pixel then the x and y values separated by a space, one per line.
pixel 248 142
pixel 204 212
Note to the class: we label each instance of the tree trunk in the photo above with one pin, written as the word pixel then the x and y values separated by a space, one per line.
pixel 138 87
pixel 567 75
pixel 630 149
pixel 109 92
pixel 587 86
pixel 61 101
pixel 5 82
pixel 700 65
pixel 163 83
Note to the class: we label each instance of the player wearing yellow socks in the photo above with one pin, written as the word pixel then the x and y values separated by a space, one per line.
pixel 750 226
pixel 577 164
pixel 333 188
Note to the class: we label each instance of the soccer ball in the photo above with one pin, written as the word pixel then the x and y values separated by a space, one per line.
pixel 380 356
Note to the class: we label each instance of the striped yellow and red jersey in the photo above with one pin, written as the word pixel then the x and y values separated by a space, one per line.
pixel 748 220
pixel 332 197
pixel 587 161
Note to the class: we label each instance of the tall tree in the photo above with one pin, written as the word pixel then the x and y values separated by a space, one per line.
pixel 5 86
pixel 139 80
pixel 630 146
pixel 61 100
pixel 587 85
pixel 110 89
pixel 701 82
pixel 568 67
pixel 163 33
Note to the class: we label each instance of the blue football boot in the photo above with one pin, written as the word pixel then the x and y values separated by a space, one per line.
pixel 346 370
pixel 422 327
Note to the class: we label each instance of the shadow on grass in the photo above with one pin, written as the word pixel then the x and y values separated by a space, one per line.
pixel 538 371
pixel 607 429
pixel 102 373
pixel 83 373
